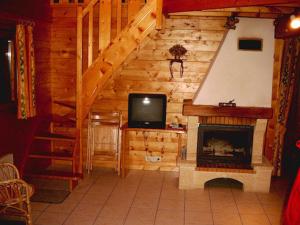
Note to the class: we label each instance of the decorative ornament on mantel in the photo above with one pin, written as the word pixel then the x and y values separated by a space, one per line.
pixel 231 21
pixel 177 51
pixel 230 103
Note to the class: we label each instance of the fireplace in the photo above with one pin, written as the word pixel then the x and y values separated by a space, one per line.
pixel 224 146
pixel 225 142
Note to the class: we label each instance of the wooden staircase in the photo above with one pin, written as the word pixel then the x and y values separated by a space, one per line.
pixel 90 83
pixel 54 154
pixel 112 53
pixel 57 153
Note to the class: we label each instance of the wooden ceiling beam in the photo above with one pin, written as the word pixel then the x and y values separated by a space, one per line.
pixel 171 6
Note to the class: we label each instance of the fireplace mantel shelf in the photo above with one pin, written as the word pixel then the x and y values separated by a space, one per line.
pixel 208 110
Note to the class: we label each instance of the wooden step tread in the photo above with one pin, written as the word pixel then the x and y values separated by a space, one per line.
pixel 63 120
pixel 51 174
pixel 61 155
pixel 69 104
pixel 54 136
pixel 71 116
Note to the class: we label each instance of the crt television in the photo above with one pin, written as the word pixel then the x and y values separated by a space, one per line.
pixel 147 110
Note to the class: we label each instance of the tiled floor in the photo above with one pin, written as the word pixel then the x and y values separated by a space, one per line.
pixel 149 197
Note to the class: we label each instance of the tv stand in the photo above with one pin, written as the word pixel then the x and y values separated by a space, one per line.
pixel 139 143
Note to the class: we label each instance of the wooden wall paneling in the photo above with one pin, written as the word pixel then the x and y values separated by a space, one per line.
pixel 96 30
pixel 105 23
pixel 133 7
pixel 146 70
pixel 90 36
pixel 63 55
pixel 159 14
pixel 119 15
pixel 42 40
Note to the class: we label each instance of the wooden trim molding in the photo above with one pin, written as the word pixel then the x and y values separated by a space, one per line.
pixel 208 110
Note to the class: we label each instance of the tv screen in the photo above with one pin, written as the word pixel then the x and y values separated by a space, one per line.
pixel 147 110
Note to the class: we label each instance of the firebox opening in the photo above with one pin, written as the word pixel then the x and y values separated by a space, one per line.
pixel 224 183
pixel 224 146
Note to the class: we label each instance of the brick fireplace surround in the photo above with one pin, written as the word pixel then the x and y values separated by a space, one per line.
pixel 257 179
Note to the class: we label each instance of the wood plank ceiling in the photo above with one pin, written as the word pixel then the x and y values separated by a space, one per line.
pixel 274 9
pixel 172 6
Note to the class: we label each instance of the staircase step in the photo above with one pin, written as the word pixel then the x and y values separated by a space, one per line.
pixel 69 104
pixel 56 137
pixel 71 116
pixel 63 121
pixel 51 174
pixel 61 155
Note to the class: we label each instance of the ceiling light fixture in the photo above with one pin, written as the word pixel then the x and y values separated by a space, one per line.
pixel 295 22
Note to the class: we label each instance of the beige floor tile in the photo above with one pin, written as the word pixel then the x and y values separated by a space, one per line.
pixel 94 199
pixel 153 187
pixel 270 198
pixel 255 219
pixel 40 206
pixel 275 219
pixel 80 220
pixel 35 214
pixel 109 221
pixel 148 193
pixel 139 216
pixel 225 206
pixel 99 188
pixel 198 218
pixel 145 202
pixel 171 204
pixel 49 218
pixel 245 197
pixel 75 196
pixel 198 206
pixel 117 212
pixel 225 218
pixel 250 208
pixel 87 209
pixel 175 194
pixel 197 195
pixel 67 206
pixel 275 208
pixel 169 217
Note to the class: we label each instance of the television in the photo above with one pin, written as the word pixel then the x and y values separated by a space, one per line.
pixel 147 110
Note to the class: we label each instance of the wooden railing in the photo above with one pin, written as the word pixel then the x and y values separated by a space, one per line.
pixel 142 20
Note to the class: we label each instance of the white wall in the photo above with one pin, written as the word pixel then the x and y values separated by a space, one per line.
pixel 245 76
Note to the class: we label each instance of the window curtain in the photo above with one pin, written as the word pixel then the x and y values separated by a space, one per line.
pixel 291 58
pixel 25 63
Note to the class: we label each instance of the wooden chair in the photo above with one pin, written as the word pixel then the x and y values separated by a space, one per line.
pixel 108 126
pixel 14 193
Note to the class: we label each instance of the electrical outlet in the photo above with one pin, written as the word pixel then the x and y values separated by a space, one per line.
pixel 149 158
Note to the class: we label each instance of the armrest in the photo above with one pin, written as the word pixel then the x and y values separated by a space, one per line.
pixel 14 191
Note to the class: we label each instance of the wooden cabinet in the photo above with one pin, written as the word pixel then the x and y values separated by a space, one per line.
pixel 151 149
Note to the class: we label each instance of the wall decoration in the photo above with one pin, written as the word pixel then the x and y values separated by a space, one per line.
pixel 177 51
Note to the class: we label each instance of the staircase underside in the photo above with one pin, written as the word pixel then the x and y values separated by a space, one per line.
pixel 96 76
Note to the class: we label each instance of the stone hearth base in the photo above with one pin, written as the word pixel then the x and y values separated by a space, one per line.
pixel 257 180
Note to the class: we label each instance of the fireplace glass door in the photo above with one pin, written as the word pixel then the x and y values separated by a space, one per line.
pixel 226 146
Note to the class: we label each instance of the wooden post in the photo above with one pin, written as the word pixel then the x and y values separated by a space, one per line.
pixel 79 85
pixel 159 14
pixel 104 24
pixel 91 31
pixel 119 16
